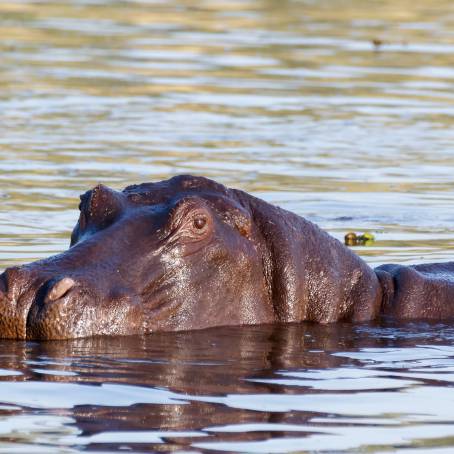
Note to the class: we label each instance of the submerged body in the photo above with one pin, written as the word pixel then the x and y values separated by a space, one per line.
pixel 189 253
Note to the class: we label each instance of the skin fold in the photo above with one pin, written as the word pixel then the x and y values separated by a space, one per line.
pixel 188 253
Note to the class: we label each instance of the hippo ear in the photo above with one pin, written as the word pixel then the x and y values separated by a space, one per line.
pixel 104 205
pixel 98 209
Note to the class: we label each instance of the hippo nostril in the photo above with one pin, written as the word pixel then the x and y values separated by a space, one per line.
pixel 60 289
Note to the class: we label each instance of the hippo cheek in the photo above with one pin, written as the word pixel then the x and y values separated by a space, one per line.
pixel 80 314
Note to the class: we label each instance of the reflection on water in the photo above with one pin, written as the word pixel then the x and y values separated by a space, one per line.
pixel 339 110
pixel 251 389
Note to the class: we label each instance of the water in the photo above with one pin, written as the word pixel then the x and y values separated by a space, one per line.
pixel 289 100
pixel 257 389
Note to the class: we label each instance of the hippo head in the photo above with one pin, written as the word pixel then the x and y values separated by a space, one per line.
pixel 175 255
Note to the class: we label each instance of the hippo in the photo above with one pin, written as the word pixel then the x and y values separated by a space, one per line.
pixel 189 253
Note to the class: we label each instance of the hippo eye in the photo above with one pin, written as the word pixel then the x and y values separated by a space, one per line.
pixel 199 222
pixel 190 221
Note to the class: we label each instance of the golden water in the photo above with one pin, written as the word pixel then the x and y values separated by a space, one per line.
pixel 290 100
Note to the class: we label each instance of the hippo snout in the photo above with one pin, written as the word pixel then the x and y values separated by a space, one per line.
pixel 33 303
pixel 14 303
pixel 40 303
pixel 16 282
pixel 13 282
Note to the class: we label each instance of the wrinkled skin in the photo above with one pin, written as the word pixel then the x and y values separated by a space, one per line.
pixel 189 253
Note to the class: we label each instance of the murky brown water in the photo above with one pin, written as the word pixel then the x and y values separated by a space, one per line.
pixel 290 100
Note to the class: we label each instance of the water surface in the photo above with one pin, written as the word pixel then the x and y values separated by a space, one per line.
pixel 339 110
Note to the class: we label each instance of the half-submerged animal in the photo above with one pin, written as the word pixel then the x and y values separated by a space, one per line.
pixel 189 253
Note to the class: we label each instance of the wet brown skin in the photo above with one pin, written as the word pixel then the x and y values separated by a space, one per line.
pixel 188 253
